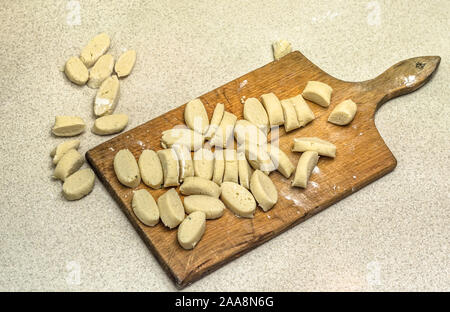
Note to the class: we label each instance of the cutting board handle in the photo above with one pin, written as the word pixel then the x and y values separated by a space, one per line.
pixel 404 77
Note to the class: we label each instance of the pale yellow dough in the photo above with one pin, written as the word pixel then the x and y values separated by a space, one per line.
pixel 69 163
pixel 305 165
pixel 290 116
pixel 79 184
pixel 58 152
pixel 195 116
pixel 145 207
pixel 343 113
pixel 215 120
pixel 76 71
pixel 185 161
pixel 245 170
pixel 238 199
pixel 199 186
pixel 281 48
pixel 126 168
pixel 125 63
pixel 171 209
pixel 304 114
pixel 231 173
pixel 110 124
pixel 318 92
pixel 263 190
pixel 191 229
pixel 170 165
pixel 94 49
pixel 280 160
pixel 324 148
pixel 66 126
pixel 255 113
pixel 273 108
pixel 101 70
pixel 211 206
pixel 107 96
pixel 224 133
pixel 182 136
pixel 151 169
pixel 204 163
pixel 245 131
pixel 219 166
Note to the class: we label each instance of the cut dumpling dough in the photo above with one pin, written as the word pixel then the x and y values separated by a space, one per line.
pixel 66 126
pixel 245 170
pixel 196 117
pixel 182 136
pixel 171 209
pixel 290 115
pixel 69 163
pixel 211 206
pixel 170 165
pixel 191 230
pixel 224 134
pixel 219 166
pixel 245 131
pixel 100 71
pixel 238 199
pixel 273 107
pixel 151 169
pixel 255 113
pixel 199 186
pixel 79 184
pixel 107 96
pixel 110 124
pixel 318 92
pixel 145 207
pixel 94 49
pixel 125 63
pixel 215 120
pixel 58 152
pixel 263 190
pixel 280 160
pixel 126 168
pixel 76 71
pixel 204 163
pixel 343 113
pixel 305 165
pixel 324 148
pixel 185 161
pixel 281 48
pixel 231 173
pixel 258 157
pixel 304 114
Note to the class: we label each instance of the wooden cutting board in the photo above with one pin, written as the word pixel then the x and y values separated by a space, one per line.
pixel 362 157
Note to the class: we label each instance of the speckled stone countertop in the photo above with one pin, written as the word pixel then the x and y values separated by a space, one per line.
pixel 392 235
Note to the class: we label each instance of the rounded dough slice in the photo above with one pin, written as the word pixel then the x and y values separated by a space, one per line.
pixel 281 48
pixel 191 230
pixel 318 92
pixel 211 206
pixel 238 199
pixel 324 148
pixel 263 190
pixel 58 152
pixel 171 209
pixel 66 126
pixel 245 131
pixel 224 134
pixel 255 113
pixel 151 169
pixel 182 136
pixel 185 161
pixel 305 165
pixel 170 165
pixel 79 184
pixel 107 96
pixel 199 186
pixel 145 207
pixel 219 166
pixel 304 114
pixel 126 168
pixel 290 115
pixel 231 172
pixel 102 69
pixel 196 117
pixel 76 71
pixel 245 170
pixel 94 49
pixel 204 163
pixel 125 63
pixel 280 160
pixel 69 163
pixel 215 120
pixel 273 107
pixel 343 113
pixel 258 157
pixel 110 124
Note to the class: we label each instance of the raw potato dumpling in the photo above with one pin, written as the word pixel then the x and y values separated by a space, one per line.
pixel 324 148
pixel 66 126
pixel 245 170
pixel 171 209
pixel 107 96
pixel 110 124
pixel 126 168
pixel 219 166
pixel 69 163
pixel 215 120
pixel 63 148
pixel 191 230
pixel 199 186
pixel 318 92
pixel 182 136
pixel 76 71
pixel 224 134
pixel 238 199
pixel 196 117
pixel 100 71
pixel 94 49
pixel 231 173
pixel 281 48
pixel 280 160
pixel 211 206
pixel 245 131
pixel 263 190
pixel 343 113
pixel 185 161
pixel 151 169
pixel 204 163
pixel 290 115
pixel 79 184
pixel 273 107
pixel 258 158
pixel 145 207
pixel 125 63
pixel 255 113
pixel 305 166
pixel 304 114
pixel 170 165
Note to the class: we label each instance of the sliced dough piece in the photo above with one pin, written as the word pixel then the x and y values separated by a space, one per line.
pixel 110 124
pixel 79 184
pixel 199 186
pixel 215 120
pixel 280 160
pixel 219 166
pixel 58 152
pixel 69 163
pixel 145 207
pixel 290 115
pixel 191 230
pixel 102 69
pixel 255 113
pixel 125 63
pixel 224 134
pixel 151 169
pixel 211 206
pixel 126 168
pixel 107 96
pixel 318 92
pixel 196 117
pixel 245 131
pixel 76 71
pixel 94 49
pixel 258 157
pixel 273 107
pixel 182 136
pixel 304 114
pixel 281 48
pixel 238 199
pixel 171 209
pixel 305 165
pixel 204 163
pixel 245 170
pixel 343 113
pixel 185 161
pixel 324 148
pixel 263 190
pixel 66 126
pixel 231 173
pixel 170 165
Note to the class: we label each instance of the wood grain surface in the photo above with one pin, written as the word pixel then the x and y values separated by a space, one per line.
pixel 362 157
